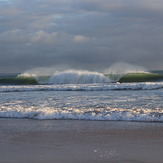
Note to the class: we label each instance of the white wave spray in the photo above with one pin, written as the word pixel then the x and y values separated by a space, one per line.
pixel 77 77
pixel 125 68
pixel 119 69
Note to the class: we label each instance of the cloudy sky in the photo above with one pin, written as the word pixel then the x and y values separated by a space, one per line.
pixel 84 34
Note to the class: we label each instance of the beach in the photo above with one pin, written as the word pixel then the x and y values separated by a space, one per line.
pixel 77 141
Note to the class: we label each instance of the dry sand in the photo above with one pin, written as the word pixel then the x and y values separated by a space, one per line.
pixel 72 141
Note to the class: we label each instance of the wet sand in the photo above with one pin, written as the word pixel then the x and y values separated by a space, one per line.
pixel 70 141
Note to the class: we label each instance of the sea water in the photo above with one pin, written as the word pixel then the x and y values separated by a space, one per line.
pixel 82 95
pixel 96 101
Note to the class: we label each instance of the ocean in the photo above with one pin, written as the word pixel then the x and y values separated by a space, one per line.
pixel 83 95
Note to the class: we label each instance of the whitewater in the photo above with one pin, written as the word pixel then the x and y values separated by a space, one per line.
pixel 83 95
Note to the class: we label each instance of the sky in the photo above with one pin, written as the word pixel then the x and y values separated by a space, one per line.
pixel 82 34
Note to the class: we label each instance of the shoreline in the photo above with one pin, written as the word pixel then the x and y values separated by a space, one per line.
pixel 79 141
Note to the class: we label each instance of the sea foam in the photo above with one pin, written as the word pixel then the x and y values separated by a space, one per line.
pixel 102 114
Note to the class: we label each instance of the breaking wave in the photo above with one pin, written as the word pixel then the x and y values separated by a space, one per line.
pixel 84 87
pixel 118 72
pixel 81 77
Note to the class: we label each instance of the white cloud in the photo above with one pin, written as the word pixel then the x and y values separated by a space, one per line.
pixel 81 39
pixel 13 36
pixel 44 37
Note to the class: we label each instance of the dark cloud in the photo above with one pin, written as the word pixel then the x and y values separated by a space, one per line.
pixel 82 33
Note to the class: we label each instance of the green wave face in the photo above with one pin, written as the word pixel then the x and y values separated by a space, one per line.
pixel 20 80
pixel 141 77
